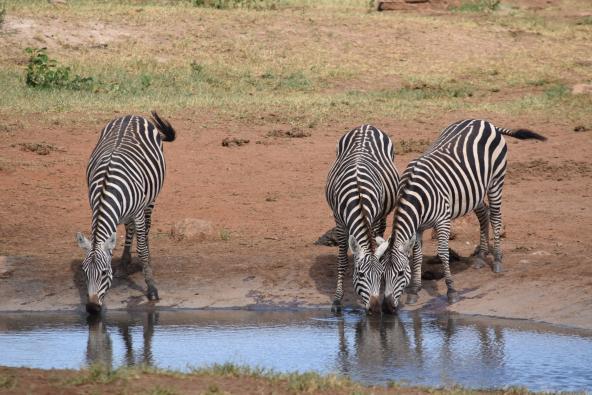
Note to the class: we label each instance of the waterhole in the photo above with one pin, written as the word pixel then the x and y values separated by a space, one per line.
pixel 411 348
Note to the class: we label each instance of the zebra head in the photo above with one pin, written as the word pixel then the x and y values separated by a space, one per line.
pixel 97 268
pixel 368 271
pixel 397 273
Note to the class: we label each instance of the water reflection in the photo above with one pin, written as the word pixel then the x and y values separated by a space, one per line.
pixel 99 348
pixel 413 348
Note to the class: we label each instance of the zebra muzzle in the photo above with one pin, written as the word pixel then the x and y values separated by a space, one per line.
pixel 94 304
pixel 374 304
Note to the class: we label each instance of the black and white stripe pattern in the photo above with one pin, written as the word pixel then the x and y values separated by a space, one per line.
pixel 125 173
pixel 361 190
pixel 466 164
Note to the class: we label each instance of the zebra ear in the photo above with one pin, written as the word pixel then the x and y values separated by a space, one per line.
pixel 354 245
pixel 83 242
pixel 382 246
pixel 110 243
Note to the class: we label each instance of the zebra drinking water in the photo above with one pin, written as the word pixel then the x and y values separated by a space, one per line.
pixel 361 190
pixel 466 164
pixel 125 173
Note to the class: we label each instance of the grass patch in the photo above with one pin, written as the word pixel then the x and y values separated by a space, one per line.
pixel 294 65
pixel 162 391
pixel 99 374
pixel 556 91
pixel 38 148
pixel 477 6
pixel 2 13
pixel 7 382
pixel 229 4
pixel 411 145
pixel 45 73
pixel 225 234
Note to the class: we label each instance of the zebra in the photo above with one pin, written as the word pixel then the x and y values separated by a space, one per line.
pixel 125 173
pixel 465 164
pixel 361 189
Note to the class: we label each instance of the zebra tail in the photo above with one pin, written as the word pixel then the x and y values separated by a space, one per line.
pixel 521 134
pixel 164 127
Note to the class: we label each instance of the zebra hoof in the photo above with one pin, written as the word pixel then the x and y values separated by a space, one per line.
pixel 478 262
pixel 152 293
pixel 411 299
pixel 496 267
pixel 120 272
pixel 452 297
pixel 126 259
pixel 336 308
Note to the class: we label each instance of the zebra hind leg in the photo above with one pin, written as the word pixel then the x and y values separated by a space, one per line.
pixel 144 254
pixel 126 257
pixel 480 255
pixel 341 268
pixel 443 232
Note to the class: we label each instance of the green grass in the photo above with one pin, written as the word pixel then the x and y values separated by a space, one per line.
pixel 303 66
pixel 306 382
pixel 7 382
pixel 225 234
pixel 477 6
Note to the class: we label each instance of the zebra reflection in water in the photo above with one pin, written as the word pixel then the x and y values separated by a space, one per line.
pixel 418 349
pixel 99 346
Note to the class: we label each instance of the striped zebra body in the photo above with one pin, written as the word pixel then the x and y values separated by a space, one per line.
pixel 125 173
pixel 466 164
pixel 361 190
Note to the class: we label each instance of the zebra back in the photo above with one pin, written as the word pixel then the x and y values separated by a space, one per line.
pixel 126 171
pixel 362 183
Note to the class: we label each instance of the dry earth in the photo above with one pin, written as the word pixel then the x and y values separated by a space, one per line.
pixel 265 201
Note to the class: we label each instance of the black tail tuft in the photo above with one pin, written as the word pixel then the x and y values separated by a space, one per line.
pixel 525 134
pixel 164 127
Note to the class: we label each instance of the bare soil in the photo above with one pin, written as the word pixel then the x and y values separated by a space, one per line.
pixel 268 202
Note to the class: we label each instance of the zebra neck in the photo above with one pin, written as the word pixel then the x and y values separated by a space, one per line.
pixel 407 220
pixel 102 229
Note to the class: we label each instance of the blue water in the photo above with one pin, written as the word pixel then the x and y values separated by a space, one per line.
pixel 410 348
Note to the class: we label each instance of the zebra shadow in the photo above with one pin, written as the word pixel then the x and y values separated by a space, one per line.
pixel 324 274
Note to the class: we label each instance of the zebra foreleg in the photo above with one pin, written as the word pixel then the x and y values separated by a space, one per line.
pixel 126 257
pixel 482 212
pixel 443 232
pixel 341 268
pixel 144 254
pixel 415 286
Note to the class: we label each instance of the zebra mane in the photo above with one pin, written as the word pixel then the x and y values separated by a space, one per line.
pixel 367 223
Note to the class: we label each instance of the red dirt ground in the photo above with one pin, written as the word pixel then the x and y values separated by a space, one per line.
pixel 269 195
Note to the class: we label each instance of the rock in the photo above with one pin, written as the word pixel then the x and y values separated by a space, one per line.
pixel 7 266
pixel 581 128
pixel 192 229
pixel 579 89
pixel 234 142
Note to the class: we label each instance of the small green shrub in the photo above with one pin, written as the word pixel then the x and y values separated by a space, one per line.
pixel 225 234
pixel 45 73
pixel 477 6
